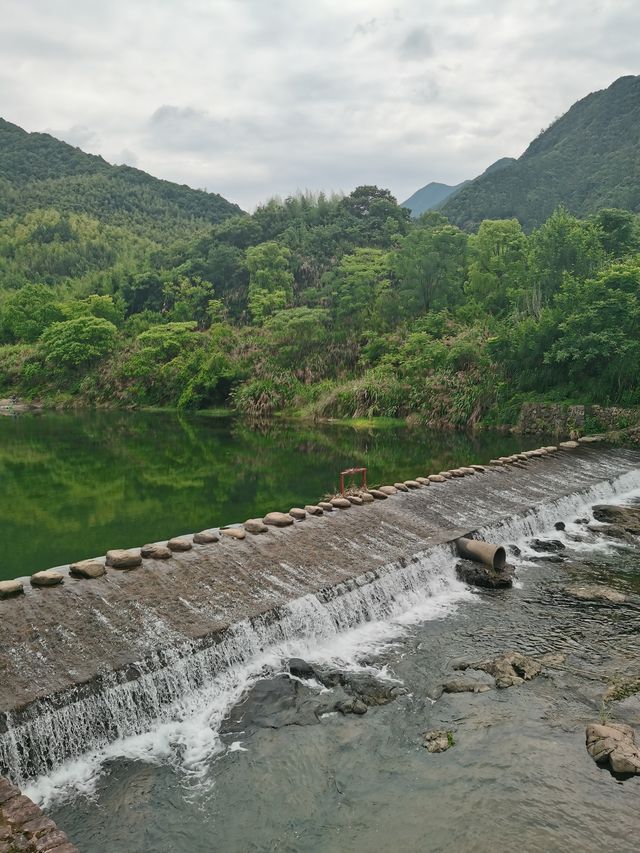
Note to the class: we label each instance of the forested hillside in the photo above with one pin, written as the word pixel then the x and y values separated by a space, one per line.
pixel 38 171
pixel 325 307
pixel 434 195
pixel 586 160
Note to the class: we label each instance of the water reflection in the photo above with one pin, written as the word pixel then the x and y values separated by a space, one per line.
pixel 74 485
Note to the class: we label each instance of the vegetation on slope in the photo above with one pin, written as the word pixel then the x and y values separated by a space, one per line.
pixel 38 171
pixel 327 307
pixel 586 160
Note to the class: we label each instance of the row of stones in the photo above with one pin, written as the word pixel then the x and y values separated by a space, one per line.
pixel 23 826
pixel 131 559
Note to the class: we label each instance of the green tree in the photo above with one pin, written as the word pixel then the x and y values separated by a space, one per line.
pixel 356 287
pixel 270 280
pixel 497 264
pixel 430 268
pixel 73 344
pixel 28 312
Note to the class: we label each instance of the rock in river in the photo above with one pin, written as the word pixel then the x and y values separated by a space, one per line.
pixel 596 592
pixel 478 574
pixel 46 578
pixel 437 740
pixel 614 744
pixel 278 519
pixel 205 537
pixel 87 569
pixel 10 588
pixel 508 669
pixel 179 543
pixel 255 526
pixel 627 517
pixel 155 551
pixel 122 559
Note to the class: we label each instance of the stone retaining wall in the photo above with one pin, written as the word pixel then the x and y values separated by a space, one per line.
pixel 24 828
pixel 562 420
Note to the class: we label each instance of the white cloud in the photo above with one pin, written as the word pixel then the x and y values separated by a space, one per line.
pixel 251 99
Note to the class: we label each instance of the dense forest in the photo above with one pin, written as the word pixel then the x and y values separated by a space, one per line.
pixel 38 171
pixel 587 159
pixel 323 307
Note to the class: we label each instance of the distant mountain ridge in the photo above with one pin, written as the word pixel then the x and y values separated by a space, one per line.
pixel 37 170
pixel 588 159
pixel 434 195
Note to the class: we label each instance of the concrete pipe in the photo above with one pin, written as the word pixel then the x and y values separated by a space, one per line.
pixel 482 552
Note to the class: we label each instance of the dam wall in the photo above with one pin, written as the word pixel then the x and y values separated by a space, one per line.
pixel 88 661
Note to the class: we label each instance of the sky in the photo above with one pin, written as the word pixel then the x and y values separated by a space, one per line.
pixel 256 98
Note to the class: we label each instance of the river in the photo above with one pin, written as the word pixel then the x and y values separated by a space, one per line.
pixel 76 484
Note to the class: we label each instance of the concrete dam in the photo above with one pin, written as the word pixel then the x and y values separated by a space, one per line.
pixel 89 661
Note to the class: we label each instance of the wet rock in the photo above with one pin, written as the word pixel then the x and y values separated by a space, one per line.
pixel 592 439
pixel 179 543
pixel 234 532
pixel 255 526
pixel 378 495
pixel 11 588
pixel 513 549
pixel 274 703
pixel 467 685
pixel 313 509
pixel 568 445
pixel 546 558
pixel 87 569
pixel 389 490
pixel 205 537
pixel 626 517
pixel 278 519
pixel 46 578
pixel 371 690
pixel 559 525
pixel 614 744
pixel 552 659
pixel 581 521
pixel 351 706
pixel 612 530
pixel 437 740
pixel 155 551
pixel 545 545
pixel 122 559
pixel 341 503
pixel 300 668
pixel 401 487
pixel 325 506
pixel 297 513
pixel 508 669
pixel 596 592
pixel 478 574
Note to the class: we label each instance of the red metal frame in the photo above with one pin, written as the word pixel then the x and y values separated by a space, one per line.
pixel 352 471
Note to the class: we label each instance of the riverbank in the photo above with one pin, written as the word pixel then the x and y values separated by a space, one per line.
pixel 560 420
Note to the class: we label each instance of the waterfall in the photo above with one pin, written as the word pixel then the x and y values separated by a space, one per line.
pixel 206 677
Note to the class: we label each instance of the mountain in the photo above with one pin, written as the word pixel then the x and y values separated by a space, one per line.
pixel 434 195
pixel 430 196
pixel 586 160
pixel 39 171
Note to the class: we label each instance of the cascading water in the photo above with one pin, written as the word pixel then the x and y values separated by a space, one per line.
pixel 199 681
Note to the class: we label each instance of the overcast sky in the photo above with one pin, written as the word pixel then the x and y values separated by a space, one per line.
pixel 252 98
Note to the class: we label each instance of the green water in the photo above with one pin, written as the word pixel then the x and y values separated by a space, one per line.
pixel 74 485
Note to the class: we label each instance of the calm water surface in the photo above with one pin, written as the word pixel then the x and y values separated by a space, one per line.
pixel 74 485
